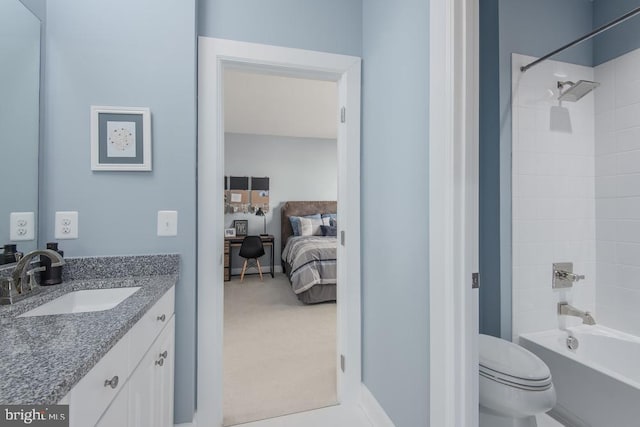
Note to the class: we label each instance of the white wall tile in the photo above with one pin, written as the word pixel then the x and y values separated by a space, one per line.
pixel 627 93
pixel 628 254
pixel 628 185
pixel 629 162
pixel 555 193
pixel 629 276
pixel 605 99
pixel 606 165
pixel 604 121
pixel 627 117
pixel 606 186
pixel 625 140
pixel 628 208
pixel 628 231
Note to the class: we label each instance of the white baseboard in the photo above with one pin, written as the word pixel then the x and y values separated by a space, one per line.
pixel 373 410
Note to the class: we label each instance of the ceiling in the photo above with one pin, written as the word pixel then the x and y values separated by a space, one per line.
pixel 266 104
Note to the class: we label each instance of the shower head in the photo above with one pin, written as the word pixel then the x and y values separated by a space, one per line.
pixel 576 90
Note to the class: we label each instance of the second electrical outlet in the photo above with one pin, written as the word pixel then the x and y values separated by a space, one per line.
pixel 67 225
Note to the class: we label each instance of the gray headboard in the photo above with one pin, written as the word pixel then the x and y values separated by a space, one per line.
pixel 301 209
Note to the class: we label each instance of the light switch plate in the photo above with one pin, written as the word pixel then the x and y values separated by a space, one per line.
pixel 167 223
pixel 22 226
pixel 66 226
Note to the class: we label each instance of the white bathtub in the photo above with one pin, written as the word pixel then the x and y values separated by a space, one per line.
pixel 598 384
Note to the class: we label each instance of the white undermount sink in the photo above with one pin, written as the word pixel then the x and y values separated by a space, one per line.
pixel 83 301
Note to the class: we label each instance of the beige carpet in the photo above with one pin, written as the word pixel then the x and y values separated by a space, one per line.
pixel 279 354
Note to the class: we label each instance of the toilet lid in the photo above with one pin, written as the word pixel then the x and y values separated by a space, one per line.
pixel 511 364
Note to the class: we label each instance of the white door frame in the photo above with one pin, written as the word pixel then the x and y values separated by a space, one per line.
pixel 453 212
pixel 213 56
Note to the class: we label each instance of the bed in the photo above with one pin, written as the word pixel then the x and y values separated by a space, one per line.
pixel 309 261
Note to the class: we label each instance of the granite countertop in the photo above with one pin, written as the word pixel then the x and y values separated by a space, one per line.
pixel 43 357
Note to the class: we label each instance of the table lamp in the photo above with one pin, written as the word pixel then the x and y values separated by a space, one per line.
pixel 261 213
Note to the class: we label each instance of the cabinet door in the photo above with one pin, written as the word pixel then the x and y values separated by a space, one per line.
pixel 142 386
pixel 116 414
pixel 151 385
pixel 164 376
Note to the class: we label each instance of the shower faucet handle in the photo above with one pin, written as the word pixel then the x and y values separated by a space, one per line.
pixel 563 275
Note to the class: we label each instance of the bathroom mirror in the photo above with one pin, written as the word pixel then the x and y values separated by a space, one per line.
pixel 19 115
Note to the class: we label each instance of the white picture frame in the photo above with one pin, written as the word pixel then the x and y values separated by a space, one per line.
pixel 120 138
pixel 230 232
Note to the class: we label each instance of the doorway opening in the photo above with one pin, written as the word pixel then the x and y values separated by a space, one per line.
pixel 280 147
pixel 216 57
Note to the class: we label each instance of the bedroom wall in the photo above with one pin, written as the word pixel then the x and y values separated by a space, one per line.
pixel 395 222
pixel 298 168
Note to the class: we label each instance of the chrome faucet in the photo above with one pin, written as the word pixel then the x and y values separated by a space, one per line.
pixel 569 310
pixel 22 281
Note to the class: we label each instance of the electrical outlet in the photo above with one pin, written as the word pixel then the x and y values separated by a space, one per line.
pixel 167 223
pixel 22 226
pixel 66 225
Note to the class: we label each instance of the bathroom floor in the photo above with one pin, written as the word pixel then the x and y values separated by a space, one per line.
pixel 545 420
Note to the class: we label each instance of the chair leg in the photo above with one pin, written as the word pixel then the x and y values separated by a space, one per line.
pixel 259 268
pixel 244 268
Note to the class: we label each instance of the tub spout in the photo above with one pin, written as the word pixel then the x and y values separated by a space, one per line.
pixel 569 310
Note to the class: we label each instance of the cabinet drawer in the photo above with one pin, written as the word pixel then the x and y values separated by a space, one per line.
pixel 150 325
pixel 91 396
pixel 226 260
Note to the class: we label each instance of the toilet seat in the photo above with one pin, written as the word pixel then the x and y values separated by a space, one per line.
pixel 514 366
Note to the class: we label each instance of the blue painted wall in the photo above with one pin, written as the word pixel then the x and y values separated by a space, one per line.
pixel 98 55
pixel 489 206
pixel 619 40
pixel 530 28
pixel 37 7
pixel 328 25
pixel 395 191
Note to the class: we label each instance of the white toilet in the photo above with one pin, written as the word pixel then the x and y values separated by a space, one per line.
pixel 515 384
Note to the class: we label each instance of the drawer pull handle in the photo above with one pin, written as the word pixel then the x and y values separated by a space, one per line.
pixel 164 354
pixel 160 362
pixel 162 318
pixel 113 382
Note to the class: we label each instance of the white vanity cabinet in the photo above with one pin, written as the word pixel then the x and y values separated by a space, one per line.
pixel 132 385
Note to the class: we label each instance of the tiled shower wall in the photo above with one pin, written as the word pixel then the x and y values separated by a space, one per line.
pixel 553 193
pixel 617 168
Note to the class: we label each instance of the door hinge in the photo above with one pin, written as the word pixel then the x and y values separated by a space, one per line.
pixel 475 280
pixel 342 238
pixel 342 362
pixel 343 115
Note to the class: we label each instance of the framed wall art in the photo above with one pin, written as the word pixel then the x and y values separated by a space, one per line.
pixel 120 139
pixel 241 226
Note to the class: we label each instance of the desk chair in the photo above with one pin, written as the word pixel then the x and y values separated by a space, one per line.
pixel 251 249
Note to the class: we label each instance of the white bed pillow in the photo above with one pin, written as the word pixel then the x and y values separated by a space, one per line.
pixel 306 227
